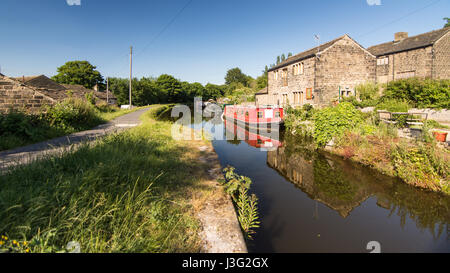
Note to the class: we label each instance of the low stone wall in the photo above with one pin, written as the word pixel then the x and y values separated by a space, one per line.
pixel 14 95
pixel 441 116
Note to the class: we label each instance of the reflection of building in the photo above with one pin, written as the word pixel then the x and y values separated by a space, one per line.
pixel 343 186
pixel 321 180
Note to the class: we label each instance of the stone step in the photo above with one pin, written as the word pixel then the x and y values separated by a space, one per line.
pixel 5 83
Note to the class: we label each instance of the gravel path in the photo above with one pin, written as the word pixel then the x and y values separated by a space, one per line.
pixel 27 154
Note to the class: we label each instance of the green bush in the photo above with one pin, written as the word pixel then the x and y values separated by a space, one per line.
pixel 368 91
pixel 72 115
pixel 422 93
pixel 334 121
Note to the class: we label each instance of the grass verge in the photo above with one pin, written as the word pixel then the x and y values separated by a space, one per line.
pixel 129 192
pixel 20 129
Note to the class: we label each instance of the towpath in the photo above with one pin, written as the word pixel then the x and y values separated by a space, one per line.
pixel 27 154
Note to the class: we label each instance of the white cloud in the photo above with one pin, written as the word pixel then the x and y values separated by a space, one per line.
pixel 374 2
pixel 73 2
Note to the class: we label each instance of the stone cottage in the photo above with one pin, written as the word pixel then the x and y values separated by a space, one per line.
pixel 332 70
pixel 319 75
pixel 31 93
pixel 426 55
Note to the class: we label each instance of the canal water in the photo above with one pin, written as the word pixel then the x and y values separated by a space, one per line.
pixel 315 202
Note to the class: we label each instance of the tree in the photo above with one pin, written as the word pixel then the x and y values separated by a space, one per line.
pixel 170 88
pixel 448 22
pixel 235 75
pixel 79 72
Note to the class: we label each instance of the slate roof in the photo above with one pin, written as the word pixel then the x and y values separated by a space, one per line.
pixel 306 54
pixel 414 42
pixel 40 82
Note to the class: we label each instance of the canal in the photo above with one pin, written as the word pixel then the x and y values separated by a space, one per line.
pixel 315 202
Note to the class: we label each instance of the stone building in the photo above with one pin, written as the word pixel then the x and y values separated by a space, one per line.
pixel 319 75
pixel 332 70
pixel 16 95
pixel 32 93
pixel 426 56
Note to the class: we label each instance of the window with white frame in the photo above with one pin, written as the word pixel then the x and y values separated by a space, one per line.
pixel 383 61
pixel 298 69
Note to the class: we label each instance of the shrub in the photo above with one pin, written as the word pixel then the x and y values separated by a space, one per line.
pixel 333 121
pixel 72 115
pixel 368 91
pixel 421 92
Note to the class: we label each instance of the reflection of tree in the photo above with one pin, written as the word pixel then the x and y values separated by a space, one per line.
pixel 331 181
pixel 428 210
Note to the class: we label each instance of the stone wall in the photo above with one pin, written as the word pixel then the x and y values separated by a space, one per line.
pixel 412 63
pixel 14 95
pixel 342 67
pixel 441 61
pixel 296 83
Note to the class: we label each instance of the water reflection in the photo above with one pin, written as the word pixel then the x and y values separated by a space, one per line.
pixel 344 186
pixel 256 138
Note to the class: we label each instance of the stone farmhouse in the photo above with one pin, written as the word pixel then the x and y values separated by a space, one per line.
pixel 324 74
pixel 32 93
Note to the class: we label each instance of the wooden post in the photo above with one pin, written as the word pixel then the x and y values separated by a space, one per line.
pixel 131 72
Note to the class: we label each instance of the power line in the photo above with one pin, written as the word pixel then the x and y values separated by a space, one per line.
pixel 398 19
pixel 166 27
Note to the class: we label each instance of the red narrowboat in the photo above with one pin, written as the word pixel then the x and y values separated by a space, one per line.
pixel 254 116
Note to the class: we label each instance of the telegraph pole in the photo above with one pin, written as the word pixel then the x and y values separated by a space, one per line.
pixel 107 90
pixel 131 71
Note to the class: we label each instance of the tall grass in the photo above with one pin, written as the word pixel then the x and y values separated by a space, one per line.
pixel 125 193
pixel 69 116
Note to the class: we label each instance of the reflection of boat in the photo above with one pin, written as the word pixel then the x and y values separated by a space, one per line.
pixel 255 116
pixel 253 137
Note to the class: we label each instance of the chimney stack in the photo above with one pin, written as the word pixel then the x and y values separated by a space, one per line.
pixel 400 36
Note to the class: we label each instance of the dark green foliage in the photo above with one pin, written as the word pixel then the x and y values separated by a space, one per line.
pixel 422 93
pixel 447 24
pixel 334 121
pixel 164 89
pixel 79 72
pixel 235 75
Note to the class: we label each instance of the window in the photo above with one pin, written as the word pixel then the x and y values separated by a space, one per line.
pixel 277 114
pixel 309 95
pixel 383 61
pixel 260 114
pixel 285 98
pixel 297 97
pixel 276 75
pixel 284 76
pixel 298 69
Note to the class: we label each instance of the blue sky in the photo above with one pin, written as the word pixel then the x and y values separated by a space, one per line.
pixel 205 40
